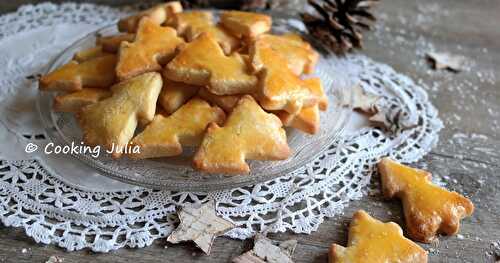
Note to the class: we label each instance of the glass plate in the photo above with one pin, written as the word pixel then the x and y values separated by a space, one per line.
pixel 176 173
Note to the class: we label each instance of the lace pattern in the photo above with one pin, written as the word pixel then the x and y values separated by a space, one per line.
pixel 52 208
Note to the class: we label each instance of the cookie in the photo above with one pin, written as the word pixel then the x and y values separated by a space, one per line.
pixel 89 53
pixel 111 44
pixel 428 208
pixel 299 54
pixel 307 120
pixel 226 102
pixel 279 88
pixel 371 240
pixel 111 122
pixel 245 24
pixel 174 94
pixel 165 136
pixel 249 133
pixel 192 24
pixel 74 101
pixel 98 72
pixel 158 15
pixel 202 62
pixel 153 46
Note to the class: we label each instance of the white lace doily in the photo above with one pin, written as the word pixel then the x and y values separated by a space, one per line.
pixel 50 198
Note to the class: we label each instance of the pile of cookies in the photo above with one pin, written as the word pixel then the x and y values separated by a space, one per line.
pixel 172 79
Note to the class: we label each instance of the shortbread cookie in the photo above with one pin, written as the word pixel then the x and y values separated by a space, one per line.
pixel 165 136
pixel 202 62
pixel 74 101
pixel 279 88
pixel 153 46
pixel 307 120
pixel 249 133
pixel 111 122
pixel 371 240
pixel 428 208
pixel 158 15
pixel 226 102
pixel 192 24
pixel 245 24
pixel 89 53
pixel 299 54
pixel 93 73
pixel 112 43
pixel 174 94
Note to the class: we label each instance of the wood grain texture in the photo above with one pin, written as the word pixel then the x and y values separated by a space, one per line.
pixel 467 156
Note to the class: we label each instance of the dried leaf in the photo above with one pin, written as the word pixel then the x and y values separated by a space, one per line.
pixel 201 225
pixel 446 61
pixel 55 259
pixel 267 250
pixel 362 100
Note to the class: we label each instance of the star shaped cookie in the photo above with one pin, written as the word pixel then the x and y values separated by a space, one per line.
pixel 371 240
pixel 111 122
pixel 428 208
pixel 201 225
pixel 202 62
pixel 93 73
pixel 165 136
pixel 153 46
pixel 245 24
pixel 251 134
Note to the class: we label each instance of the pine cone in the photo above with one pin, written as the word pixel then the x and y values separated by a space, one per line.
pixel 340 22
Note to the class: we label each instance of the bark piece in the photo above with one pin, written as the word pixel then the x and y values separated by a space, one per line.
pixel 201 225
pixel 267 250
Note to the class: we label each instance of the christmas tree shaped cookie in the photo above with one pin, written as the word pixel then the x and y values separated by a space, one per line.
pixel 249 133
pixel 153 46
pixel 245 24
pixel 111 123
pixel 428 208
pixel 74 101
pixel 93 73
pixel 174 94
pixel 371 240
pixel 202 62
pixel 157 14
pixel 194 23
pixel 165 136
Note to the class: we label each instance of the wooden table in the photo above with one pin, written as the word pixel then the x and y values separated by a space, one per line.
pixel 467 156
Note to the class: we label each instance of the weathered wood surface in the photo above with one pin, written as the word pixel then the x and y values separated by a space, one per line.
pixel 467 157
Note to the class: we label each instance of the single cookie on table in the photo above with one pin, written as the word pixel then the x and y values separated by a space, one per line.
pixel 428 208
pixel 74 101
pixel 153 46
pixel 97 72
pixel 249 133
pixel 165 136
pixel 193 23
pixel 158 15
pixel 245 24
pixel 307 119
pixel 89 53
pixel 202 62
pixel 111 44
pixel 371 240
pixel 226 102
pixel 279 88
pixel 299 54
pixel 174 94
pixel 111 122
